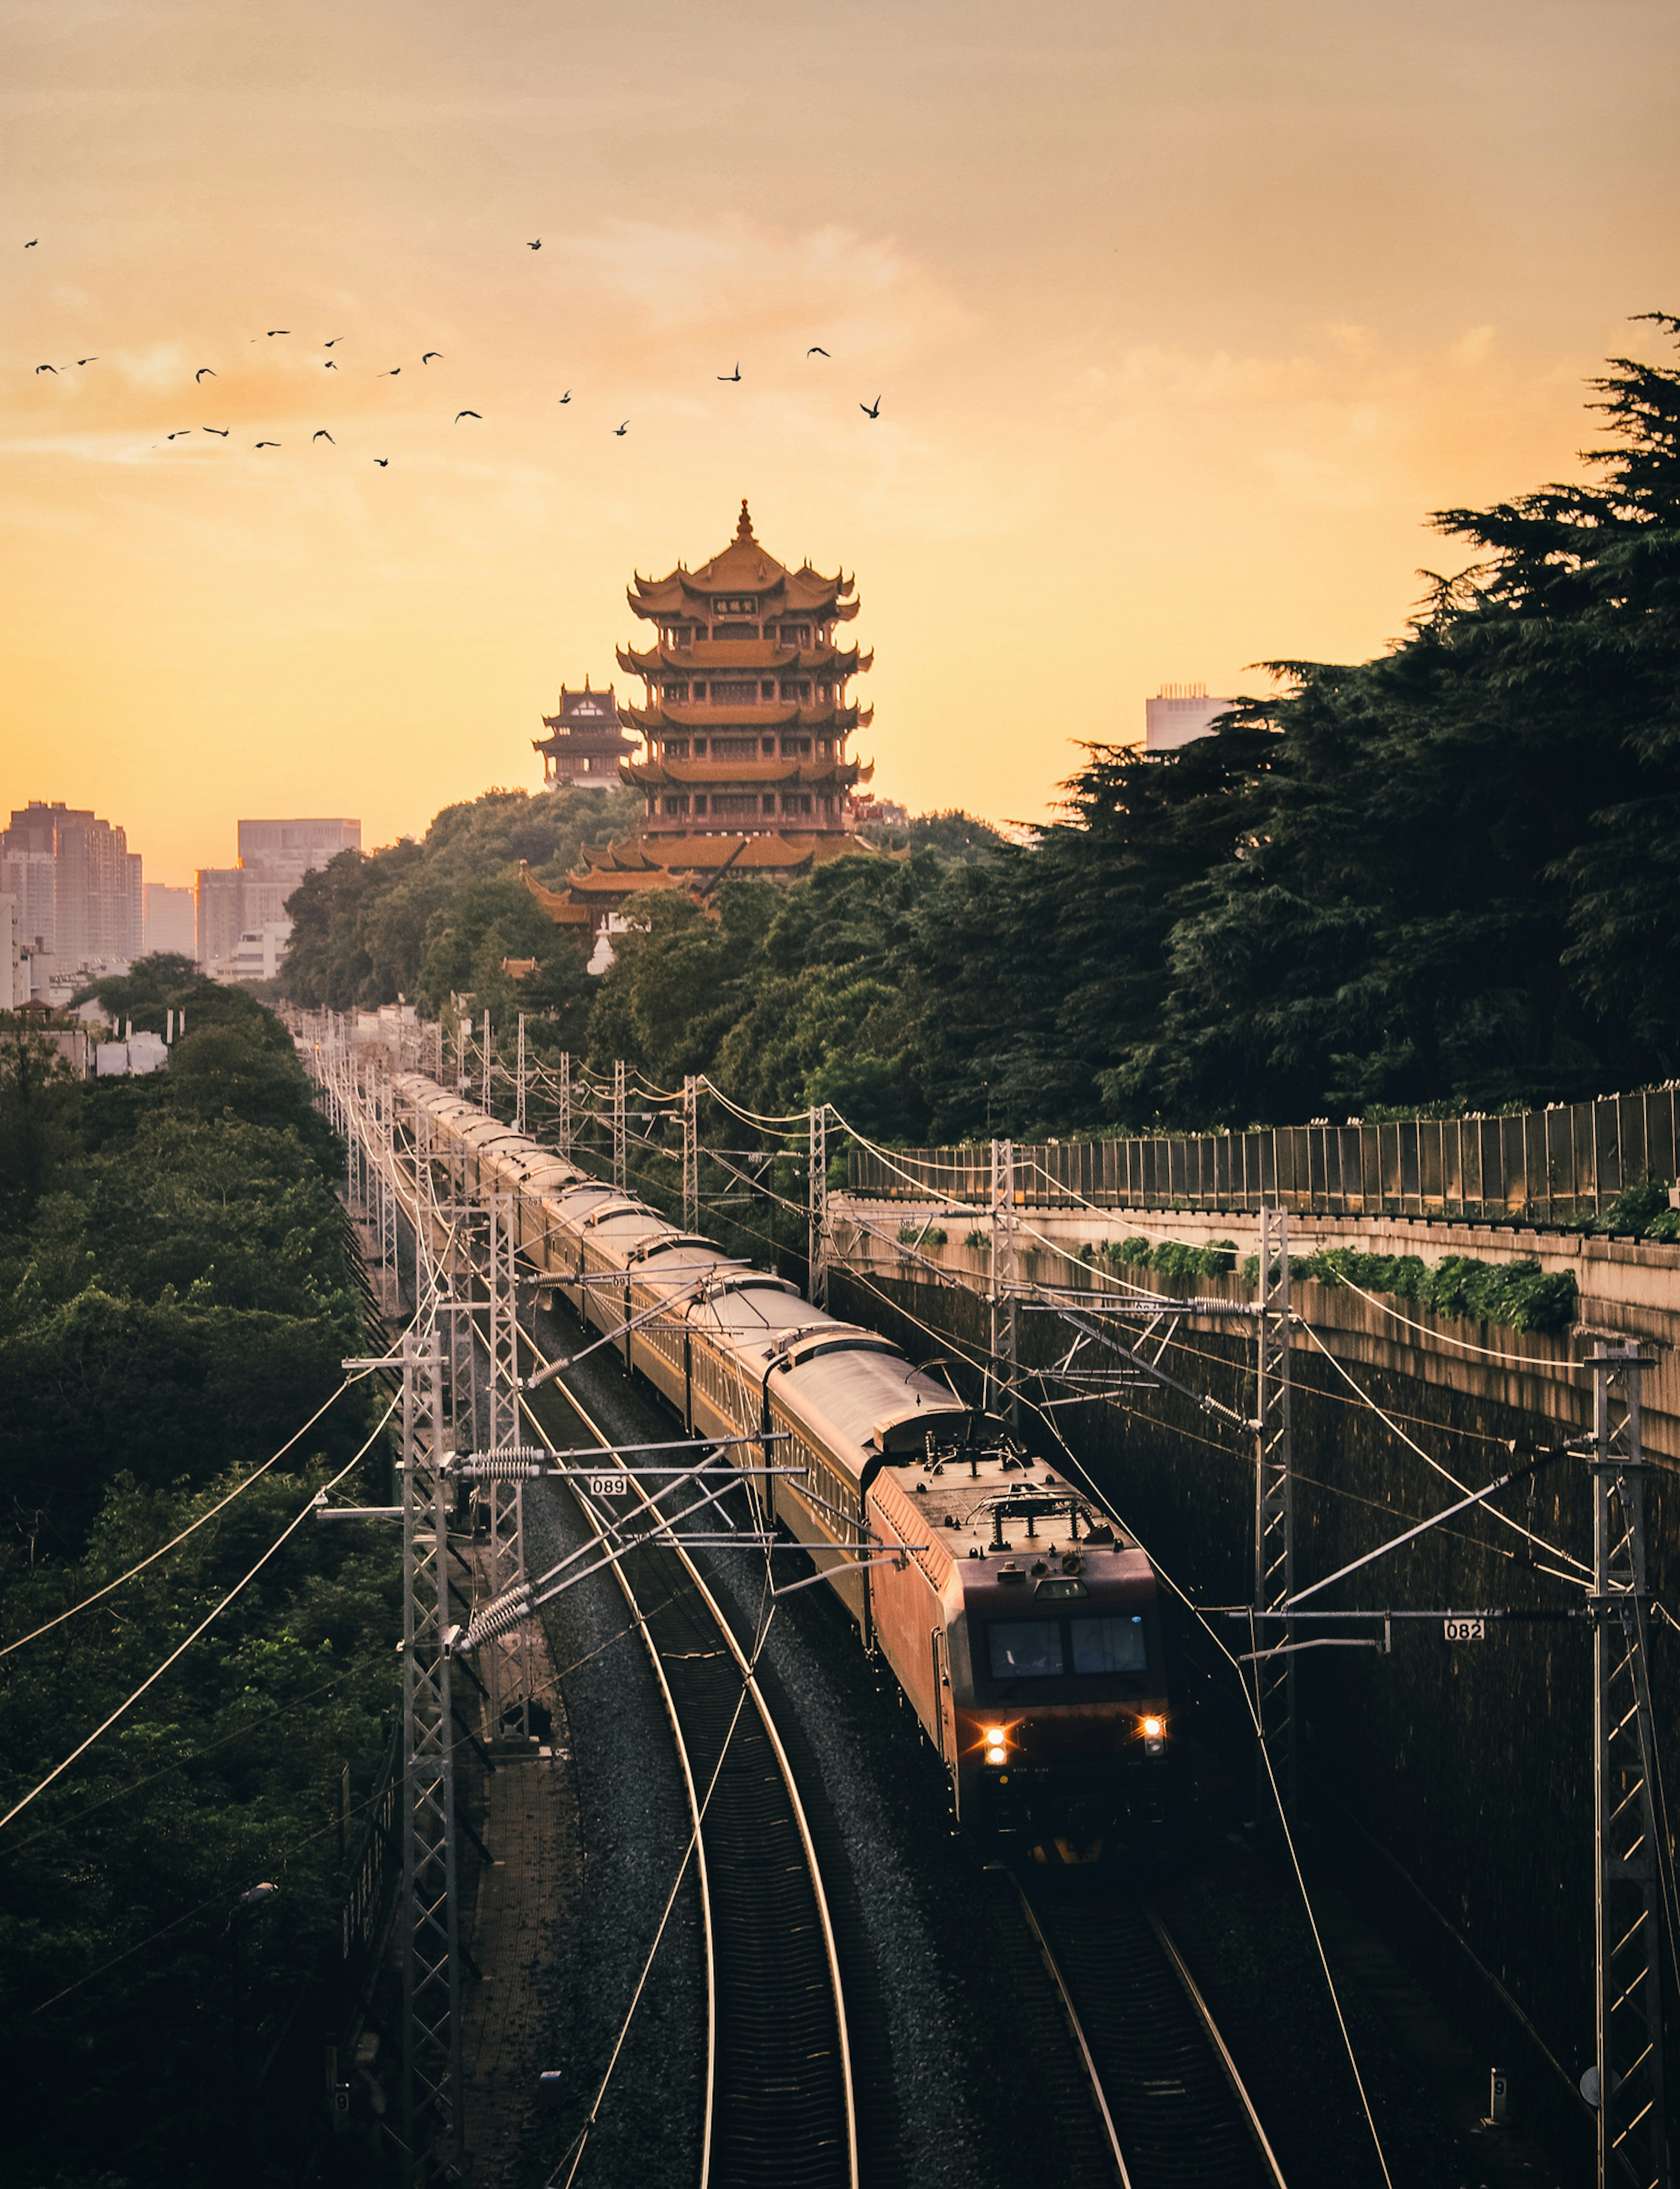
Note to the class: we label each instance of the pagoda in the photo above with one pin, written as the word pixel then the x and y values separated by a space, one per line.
pixel 585 742
pixel 744 766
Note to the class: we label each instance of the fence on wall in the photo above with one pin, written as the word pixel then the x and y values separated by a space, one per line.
pixel 1541 1167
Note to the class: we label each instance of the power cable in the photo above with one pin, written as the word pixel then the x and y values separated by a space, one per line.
pixel 1072 1463
pixel 255 1475
pixel 152 1678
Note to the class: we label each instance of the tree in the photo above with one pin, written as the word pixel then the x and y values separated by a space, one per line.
pixel 40 1103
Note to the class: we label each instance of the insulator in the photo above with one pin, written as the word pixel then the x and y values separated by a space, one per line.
pixel 499 1467
pixel 500 1617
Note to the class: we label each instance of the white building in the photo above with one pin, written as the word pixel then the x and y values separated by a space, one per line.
pixel 258 955
pixel 1178 714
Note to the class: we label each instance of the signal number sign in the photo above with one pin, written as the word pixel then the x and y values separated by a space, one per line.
pixel 608 1485
pixel 1466 1629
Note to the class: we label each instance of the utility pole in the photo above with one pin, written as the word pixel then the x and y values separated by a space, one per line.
pixel 519 1082
pixel 1274 1517
pixel 817 1239
pixel 485 1053
pixel 563 1122
pixel 1628 1888
pixel 431 2031
pixel 619 1122
pixel 463 1027
pixel 1004 1304
pixel 509 1671
pixel 690 1153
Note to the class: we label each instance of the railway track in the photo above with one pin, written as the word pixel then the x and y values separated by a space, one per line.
pixel 1173 2107
pixel 779 2103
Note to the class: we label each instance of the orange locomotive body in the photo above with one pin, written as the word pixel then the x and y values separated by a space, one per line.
pixel 1021 1624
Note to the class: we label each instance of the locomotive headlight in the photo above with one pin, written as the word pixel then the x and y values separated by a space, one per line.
pixel 996 1755
pixel 994 1736
pixel 1154 1732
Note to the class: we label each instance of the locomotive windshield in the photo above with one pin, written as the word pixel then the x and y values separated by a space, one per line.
pixel 1027 1648
pixel 1041 1648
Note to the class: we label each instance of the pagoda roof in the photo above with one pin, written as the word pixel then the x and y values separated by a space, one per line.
pixel 555 903
pixel 712 654
pixel 698 715
pixel 742 567
pixel 804 774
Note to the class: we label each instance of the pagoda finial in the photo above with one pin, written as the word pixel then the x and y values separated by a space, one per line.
pixel 743 530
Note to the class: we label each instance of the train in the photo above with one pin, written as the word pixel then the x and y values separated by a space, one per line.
pixel 1022 1623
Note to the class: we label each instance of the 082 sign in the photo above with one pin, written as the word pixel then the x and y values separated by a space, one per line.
pixel 1466 1629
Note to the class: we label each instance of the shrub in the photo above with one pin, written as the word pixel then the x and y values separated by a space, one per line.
pixel 917 1235
pixel 1519 1294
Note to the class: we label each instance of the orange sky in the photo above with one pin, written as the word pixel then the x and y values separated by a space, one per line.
pixel 1181 317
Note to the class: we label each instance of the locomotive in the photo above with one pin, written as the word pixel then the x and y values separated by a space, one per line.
pixel 1020 1621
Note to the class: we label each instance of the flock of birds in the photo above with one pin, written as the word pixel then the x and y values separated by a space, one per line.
pixel 330 365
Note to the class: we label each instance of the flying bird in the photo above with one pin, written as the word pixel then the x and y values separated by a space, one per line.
pixel 324 436
pixel 430 355
pixel 273 331
pixel 624 428
pixel 40 369
pixel 30 245
pixel 88 360
pixel 816 349
pixel 331 366
pixel 176 436
pixel 381 462
pixel 566 397
pixel 392 374
pixel 868 411
pixel 537 245
pixel 203 369
pixel 459 414
pixel 222 430
pixel 735 375
pixel 267 444
pixel 337 338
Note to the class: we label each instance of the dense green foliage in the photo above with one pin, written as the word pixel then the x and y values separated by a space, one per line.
pixel 1519 1293
pixel 1453 872
pixel 422 919
pixel 176 1297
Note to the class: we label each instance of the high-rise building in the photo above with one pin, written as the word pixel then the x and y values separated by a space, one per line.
pixel 170 919
pixel 96 909
pixel 1178 714
pixel 275 857
pixel 14 965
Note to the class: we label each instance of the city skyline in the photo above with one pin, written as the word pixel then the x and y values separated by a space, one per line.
pixel 1177 329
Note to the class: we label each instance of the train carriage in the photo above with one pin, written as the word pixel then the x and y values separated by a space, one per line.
pixel 1020 1621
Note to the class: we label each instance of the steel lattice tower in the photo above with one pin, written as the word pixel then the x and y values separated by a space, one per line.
pixel 1274 1517
pixel 1628 1891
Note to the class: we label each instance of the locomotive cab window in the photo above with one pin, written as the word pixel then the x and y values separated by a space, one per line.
pixel 1109 1645
pixel 1027 1649
pixel 1093 1656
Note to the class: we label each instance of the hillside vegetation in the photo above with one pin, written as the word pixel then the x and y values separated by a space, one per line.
pixel 175 1297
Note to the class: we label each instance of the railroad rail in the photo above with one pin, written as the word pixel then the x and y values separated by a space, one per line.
pixel 1174 2109
pixel 780 2102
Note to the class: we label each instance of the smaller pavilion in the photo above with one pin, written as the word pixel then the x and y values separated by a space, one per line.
pixel 586 742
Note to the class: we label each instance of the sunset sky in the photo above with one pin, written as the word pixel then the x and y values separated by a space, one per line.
pixel 1182 318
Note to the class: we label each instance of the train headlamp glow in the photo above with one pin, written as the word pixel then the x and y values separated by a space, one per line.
pixel 996 1755
pixel 1154 1732
pixel 994 1736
